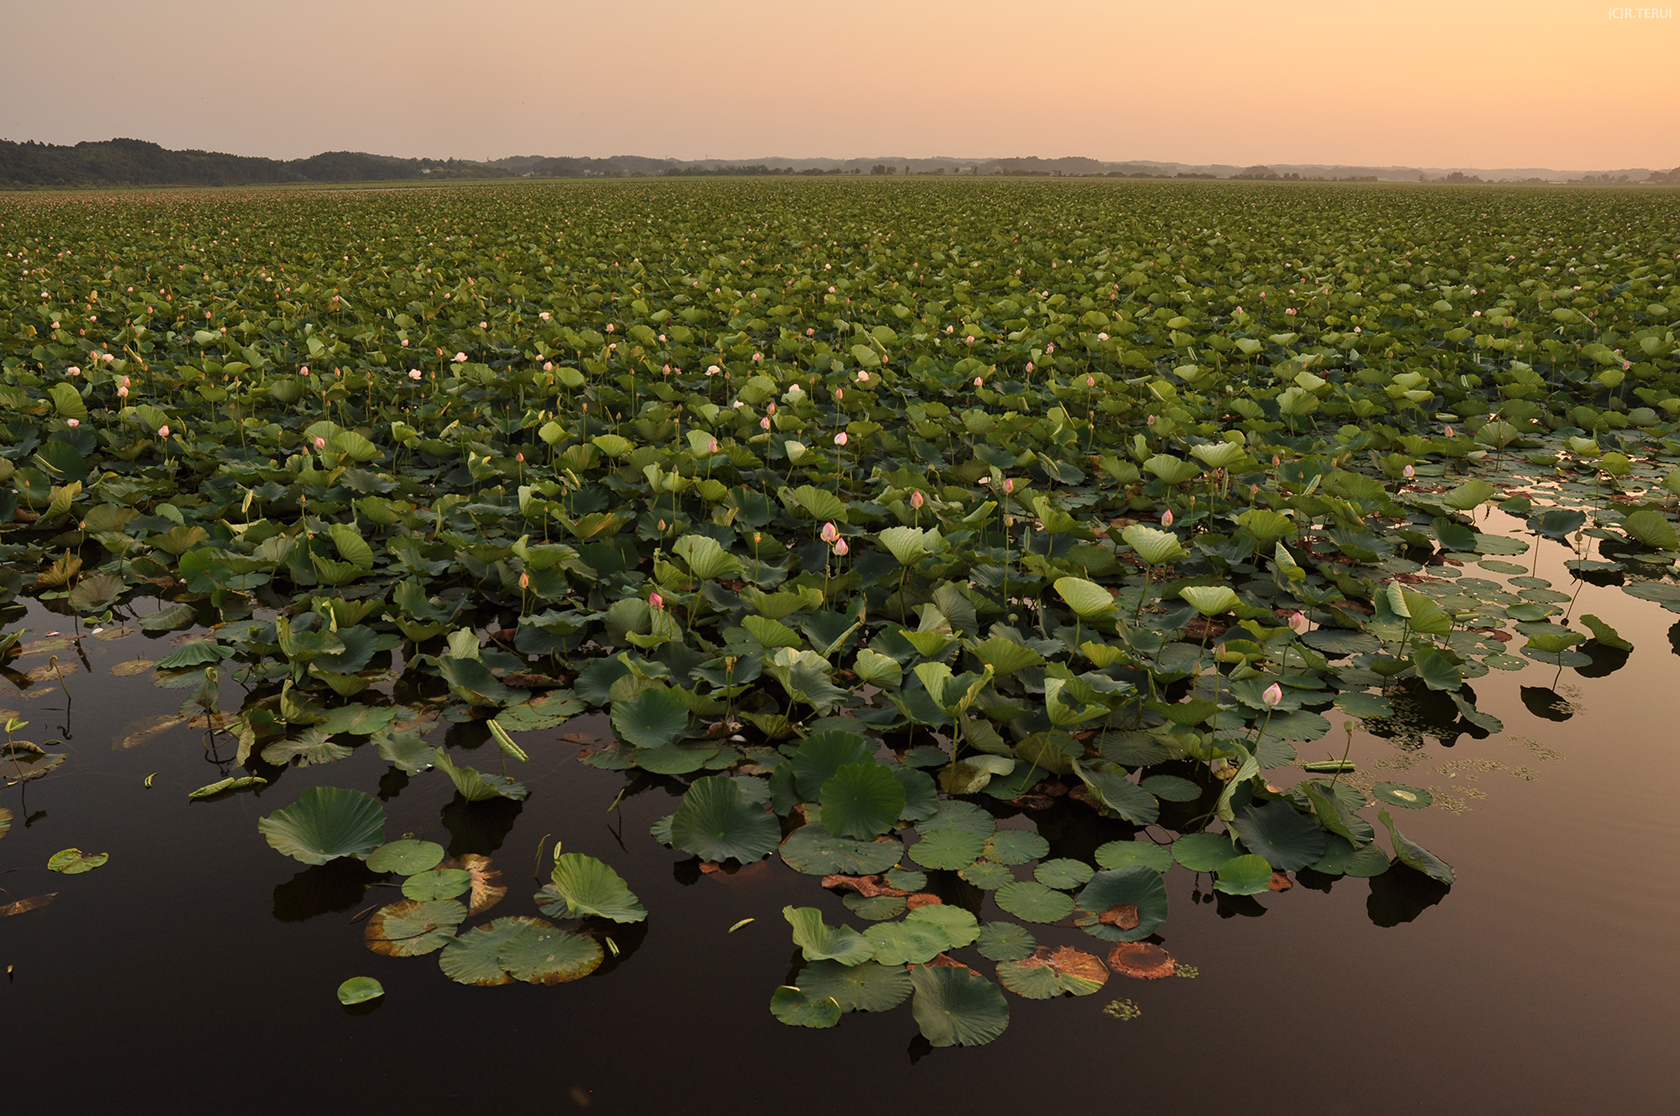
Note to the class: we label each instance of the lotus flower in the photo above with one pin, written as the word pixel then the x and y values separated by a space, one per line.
pixel 841 549
pixel 830 532
pixel 840 438
pixel 655 601
pixel 1273 695
pixel 917 500
pixel 1167 518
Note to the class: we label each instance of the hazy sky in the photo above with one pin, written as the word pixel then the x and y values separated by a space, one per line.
pixel 1484 83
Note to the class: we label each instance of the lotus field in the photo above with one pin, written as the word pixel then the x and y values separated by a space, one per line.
pixel 864 514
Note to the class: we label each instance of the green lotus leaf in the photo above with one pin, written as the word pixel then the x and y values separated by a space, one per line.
pixel 539 952
pixel 705 558
pixel 958 925
pixel 819 941
pixel 1469 494
pixel 1047 974
pixel 675 759
pixel 1605 634
pixel 1032 901
pixel 1415 856
pixel 1005 941
pixel 475 957
pixel 1279 833
pixel 1651 529
pixel 1086 598
pixel 1125 854
pixel 73 862
pixel 1112 893
pixel 1244 875
pixel 652 718
pixel 1120 794
pixel 821 755
pixel 475 786
pixel 359 990
pixel 1172 788
pixel 1063 873
pixel 861 800
pixel 866 987
pixel 1015 846
pixel 410 928
pixel 906 943
pixel 716 822
pixel 326 823
pixel 447 883
pixel 956 814
pixel 813 850
pixel 1210 600
pixel 986 875
pixel 405 857
pixel 793 1007
pixel 1399 794
pixel 1154 546
pixel 592 889
pixel 948 849
pixel 875 908
pixel 957 1006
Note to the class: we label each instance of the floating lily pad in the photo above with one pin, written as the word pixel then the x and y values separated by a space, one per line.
pixel 875 908
pixel 906 943
pixel 1032 901
pixel 1282 835
pixel 475 957
pixel 797 1009
pixel 1171 788
pixel 866 987
pixel 1015 846
pixel 948 849
pixel 410 928
pixel 539 952
pixel 73 862
pixel 1109 892
pixel 1064 874
pixel 1050 973
pixel 819 941
pixel 958 925
pixel 1244 875
pixel 446 884
pixel 813 850
pixel 1203 852
pixel 359 990
pixel 1125 854
pixel 1142 961
pixel 406 857
pixel 1005 941
pixel 986 875
pixel 954 813
pixel 1398 794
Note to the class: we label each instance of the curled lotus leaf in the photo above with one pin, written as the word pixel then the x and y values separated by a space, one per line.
pixel 326 823
pixel 1048 973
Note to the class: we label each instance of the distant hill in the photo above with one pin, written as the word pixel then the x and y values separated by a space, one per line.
pixel 127 162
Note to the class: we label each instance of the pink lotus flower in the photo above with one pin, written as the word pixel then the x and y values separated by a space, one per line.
pixel 713 370
pixel 74 371
pixel 1167 518
pixel 830 532
pixel 548 366
pixel 460 358
pixel 840 439
pixel 655 601
pixel 609 327
pixel 163 431
pixel 543 315
pixel 1050 348
pixel 1273 695
pixel 863 377
pixel 1411 473
pixel 414 373
pixel 764 423
pixel 917 500
pixel 978 381
pixel 483 325
pixel 841 549
pixel 122 393
pixel 72 422
pixel 320 443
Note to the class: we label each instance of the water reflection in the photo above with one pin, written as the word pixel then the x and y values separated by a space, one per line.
pixel 1605 660
pixel 1546 703
pixel 1400 894
pixel 337 885
pixel 478 827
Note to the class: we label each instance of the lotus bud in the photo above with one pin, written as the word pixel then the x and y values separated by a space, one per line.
pixel 1009 484
pixel 1411 473
pixel 840 548
pixel 839 394
pixel 1450 432
pixel 122 393
pixel 917 500
pixel 1298 621
pixel 163 431
pixel 840 438
pixel 711 447
pixel 1167 518
pixel 764 424
pixel 320 443
pixel 655 601
pixel 1273 695
pixel 830 532
pixel 524 580
pixel 1090 381
pixel 72 422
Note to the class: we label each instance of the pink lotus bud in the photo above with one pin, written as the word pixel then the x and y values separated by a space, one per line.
pixel 1167 518
pixel 771 409
pixel 1298 621
pixel 839 394
pixel 764 423
pixel 460 358
pixel 520 457
pixel 655 601
pixel 1411 473
pixel 713 370
pixel 1090 381
pixel 72 422
pixel 320 443
pixel 1029 366
pixel 841 549
pixel 163 431
pixel 483 325
pixel 977 381
pixel 1009 484
pixel 524 580
pixel 840 438
pixel 1151 420
pixel 1050 348
pixel 712 446
pixel 1449 432
pixel 610 328
pixel 757 357
pixel 917 500
pixel 1273 695
pixel 122 393
pixel 830 532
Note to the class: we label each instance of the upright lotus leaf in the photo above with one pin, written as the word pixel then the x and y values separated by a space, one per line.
pixel 1219 455
pixel 326 823
pixel 1123 905
pixel 869 986
pixel 1652 529
pixel 1436 669
pixel 1469 494
pixel 1424 616
pixel 1210 600
pixel 1154 546
pixel 1090 600
pixel 705 558
pixel 1119 793
pixel 1005 656
pixel 716 822
pixel 410 928
pixel 5 820
pixel 651 719
pixel 1267 526
pixel 1605 634
pixel 593 890
pixel 1557 523
pixel 956 1006
pixel 860 800
pixel 821 755
pixel 1415 856
pixel 474 785
pixel 1276 831
pixel 910 544
pixel 1172 470
pixel 819 941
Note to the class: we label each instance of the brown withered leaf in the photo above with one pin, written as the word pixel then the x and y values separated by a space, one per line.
pixel 530 681
pixel 1123 916
pixel 487 889
pixel 23 906
pixel 1280 882
pixel 1143 960
pixel 922 899
pixel 1072 963
pixel 945 961
pixel 867 886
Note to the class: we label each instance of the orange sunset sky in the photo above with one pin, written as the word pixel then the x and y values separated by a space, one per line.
pixel 1469 83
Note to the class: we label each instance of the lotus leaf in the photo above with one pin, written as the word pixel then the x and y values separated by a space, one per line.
pixel 955 1006
pixel 593 890
pixel 717 822
pixel 326 823
pixel 866 987
pixel 410 928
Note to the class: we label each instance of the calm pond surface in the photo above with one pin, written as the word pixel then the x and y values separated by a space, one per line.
pixel 199 965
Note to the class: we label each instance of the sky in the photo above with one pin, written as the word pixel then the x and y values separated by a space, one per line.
pixel 1564 84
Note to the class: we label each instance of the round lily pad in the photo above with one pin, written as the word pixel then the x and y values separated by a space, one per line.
pixel 986 875
pixel 861 800
pixel 1005 941
pixel 359 990
pixel 1063 873
pixel 1032 901
pixel 1015 846
pixel 867 987
pixel 906 943
pixel 542 953
pixel 875 908
pixel 813 850
pixel 405 857
pixel 1124 854
pixel 959 926
pixel 1337 642
pixel 906 879
pixel 1398 794
pixel 1171 788
pixel 793 1007
pixel 1114 898
pixel 473 958
pixel 437 884
pixel 674 759
pixel 1244 875
pixel 954 813
pixel 1277 831
pixel 947 849
pixel 410 928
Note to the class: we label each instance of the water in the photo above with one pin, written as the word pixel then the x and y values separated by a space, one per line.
pixel 198 967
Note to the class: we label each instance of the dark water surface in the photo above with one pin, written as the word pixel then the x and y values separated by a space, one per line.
pixel 196 971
